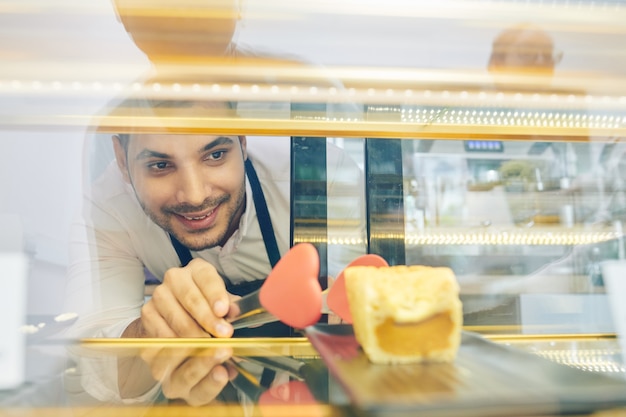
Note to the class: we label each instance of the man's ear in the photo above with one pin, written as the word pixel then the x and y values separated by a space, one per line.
pixel 120 157
pixel 244 147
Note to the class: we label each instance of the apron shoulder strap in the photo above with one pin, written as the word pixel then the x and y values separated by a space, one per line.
pixel 263 214
pixel 184 255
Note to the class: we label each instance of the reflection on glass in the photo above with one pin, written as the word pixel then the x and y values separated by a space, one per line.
pixel 252 377
pixel 549 192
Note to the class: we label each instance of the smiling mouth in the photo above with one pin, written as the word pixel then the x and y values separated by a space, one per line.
pixel 197 218
pixel 204 216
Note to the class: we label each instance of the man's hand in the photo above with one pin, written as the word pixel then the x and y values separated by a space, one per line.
pixel 195 376
pixel 191 302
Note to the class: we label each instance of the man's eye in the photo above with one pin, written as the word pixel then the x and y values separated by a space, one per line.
pixel 217 155
pixel 158 166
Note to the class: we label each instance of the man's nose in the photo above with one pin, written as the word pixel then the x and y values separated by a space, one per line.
pixel 192 187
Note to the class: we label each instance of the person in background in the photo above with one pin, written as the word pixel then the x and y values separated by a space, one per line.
pixel 523 48
pixel 523 59
pixel 583 167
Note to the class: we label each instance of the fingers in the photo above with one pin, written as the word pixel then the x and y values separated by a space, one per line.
pixel 211 286
pixel 191 302
pixel 164 316
pixel 163 361
pixel 213 291
pixel 196 376
pixel 206 377
pixel 234 309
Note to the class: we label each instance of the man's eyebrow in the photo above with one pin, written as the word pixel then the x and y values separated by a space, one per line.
pixel 222 140
pixel 147 154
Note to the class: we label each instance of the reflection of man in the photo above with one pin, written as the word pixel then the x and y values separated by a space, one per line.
pixel 523 48
pixel 171 198
pixel 578 163
pixel 175 32
pixel 149 375
pixel 528 50
pixel 181 41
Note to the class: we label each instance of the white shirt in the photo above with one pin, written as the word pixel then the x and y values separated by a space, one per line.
pixel 114 240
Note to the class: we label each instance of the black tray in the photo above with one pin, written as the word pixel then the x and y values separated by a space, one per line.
pixel 486 379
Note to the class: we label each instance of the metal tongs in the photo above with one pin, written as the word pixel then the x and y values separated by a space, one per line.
pixel 292 293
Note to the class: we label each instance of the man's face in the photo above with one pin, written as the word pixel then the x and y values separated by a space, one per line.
pixel 534 54
pixel 524 51
pixel 193 186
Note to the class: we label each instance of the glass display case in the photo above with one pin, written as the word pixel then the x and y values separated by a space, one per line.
pixel 485 136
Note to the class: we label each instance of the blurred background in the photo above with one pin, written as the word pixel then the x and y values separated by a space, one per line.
pixel 425 70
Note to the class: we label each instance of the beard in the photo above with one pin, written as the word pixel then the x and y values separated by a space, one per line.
pixel 230 206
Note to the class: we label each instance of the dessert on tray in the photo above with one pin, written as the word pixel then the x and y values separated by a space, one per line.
pixel 405 314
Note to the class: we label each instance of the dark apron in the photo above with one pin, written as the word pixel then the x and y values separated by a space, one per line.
pixel 276 329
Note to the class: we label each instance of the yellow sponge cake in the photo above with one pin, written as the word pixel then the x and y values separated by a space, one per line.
pixel 405 314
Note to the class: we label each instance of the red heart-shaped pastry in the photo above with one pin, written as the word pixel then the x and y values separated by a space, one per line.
pixel 338 297
pixel 293 393
pixel 292 291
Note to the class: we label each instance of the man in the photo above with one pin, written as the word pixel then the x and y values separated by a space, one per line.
pixel 525 49
pixel 206 215
pixel 169 198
